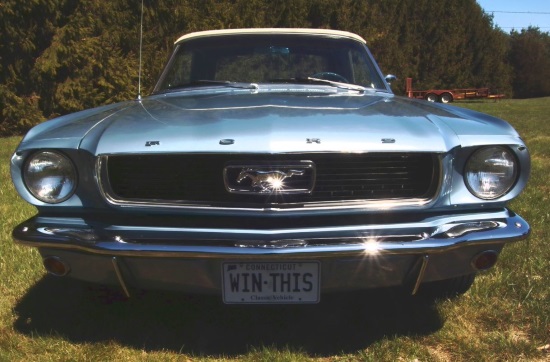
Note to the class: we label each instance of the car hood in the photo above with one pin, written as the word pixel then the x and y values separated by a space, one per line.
pixel 276 123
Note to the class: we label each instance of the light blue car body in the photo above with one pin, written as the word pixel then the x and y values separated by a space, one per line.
pixel 182 245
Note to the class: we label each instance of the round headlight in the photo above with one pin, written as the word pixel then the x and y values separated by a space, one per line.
pixel 491 172
pixel 50 177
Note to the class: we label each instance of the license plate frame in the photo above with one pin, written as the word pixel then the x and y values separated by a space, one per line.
pixel 290 282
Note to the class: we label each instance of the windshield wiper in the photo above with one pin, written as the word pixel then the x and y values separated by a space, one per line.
pixel 311 80
pixel 225 83
pixel 207 82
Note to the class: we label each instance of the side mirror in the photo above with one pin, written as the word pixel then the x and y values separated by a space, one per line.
pixel 390 78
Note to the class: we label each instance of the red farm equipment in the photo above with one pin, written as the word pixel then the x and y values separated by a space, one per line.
pixel 449 95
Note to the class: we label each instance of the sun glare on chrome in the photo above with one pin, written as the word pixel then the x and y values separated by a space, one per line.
pixel 371 246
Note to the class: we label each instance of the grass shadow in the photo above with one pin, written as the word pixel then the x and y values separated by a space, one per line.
pixel 203 325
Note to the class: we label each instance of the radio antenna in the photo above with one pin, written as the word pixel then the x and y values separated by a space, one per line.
pixel 140 46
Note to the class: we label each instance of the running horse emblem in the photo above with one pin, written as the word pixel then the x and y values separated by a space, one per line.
pixel 267 181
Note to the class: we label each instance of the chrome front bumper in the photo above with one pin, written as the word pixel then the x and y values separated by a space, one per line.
pixel 351 257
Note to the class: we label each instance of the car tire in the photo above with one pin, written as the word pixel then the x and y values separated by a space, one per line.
pixel 446 98
pixel 431 97
pixel 448 288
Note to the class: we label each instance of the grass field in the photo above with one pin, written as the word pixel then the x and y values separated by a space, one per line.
pixel 504 317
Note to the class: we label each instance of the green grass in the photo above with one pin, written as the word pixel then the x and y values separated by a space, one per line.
pixel 504 317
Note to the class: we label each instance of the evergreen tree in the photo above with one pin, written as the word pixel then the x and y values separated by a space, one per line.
pixel 530 58
pixel 89 62
pixel 27 28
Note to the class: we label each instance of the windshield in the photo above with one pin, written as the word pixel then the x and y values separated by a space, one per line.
pixel 266 58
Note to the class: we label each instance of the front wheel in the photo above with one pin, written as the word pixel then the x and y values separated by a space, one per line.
pixel 448 288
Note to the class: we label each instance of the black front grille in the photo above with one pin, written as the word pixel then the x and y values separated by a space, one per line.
pixel 198 178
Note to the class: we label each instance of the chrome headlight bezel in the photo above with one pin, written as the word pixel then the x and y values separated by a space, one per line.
pixel 50 176
pixel 491 172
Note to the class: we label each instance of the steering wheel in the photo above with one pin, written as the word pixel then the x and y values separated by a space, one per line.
pixel 335 77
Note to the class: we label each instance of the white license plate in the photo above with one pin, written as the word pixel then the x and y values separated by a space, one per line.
pixel 271 282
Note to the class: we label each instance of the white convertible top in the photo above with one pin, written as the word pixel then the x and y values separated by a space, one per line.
pixel 325 32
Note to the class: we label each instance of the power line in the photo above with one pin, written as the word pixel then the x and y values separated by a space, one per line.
pixel 519 12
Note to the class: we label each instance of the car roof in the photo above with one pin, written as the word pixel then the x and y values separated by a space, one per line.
pixel 324 32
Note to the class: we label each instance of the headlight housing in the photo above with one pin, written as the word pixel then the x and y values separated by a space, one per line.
pixel 50 176
pixel 491 172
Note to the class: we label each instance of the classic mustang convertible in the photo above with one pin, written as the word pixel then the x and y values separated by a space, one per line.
pixel 272 166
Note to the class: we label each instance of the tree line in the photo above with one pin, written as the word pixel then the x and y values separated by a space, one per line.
pixel 61 56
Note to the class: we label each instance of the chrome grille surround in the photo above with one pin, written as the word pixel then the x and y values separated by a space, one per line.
pixel 155 168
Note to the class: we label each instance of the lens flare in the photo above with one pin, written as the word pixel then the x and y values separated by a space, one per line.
pixel 371 246
pixel 276 183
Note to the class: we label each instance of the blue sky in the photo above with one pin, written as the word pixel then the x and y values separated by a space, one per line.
pixel 506 20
